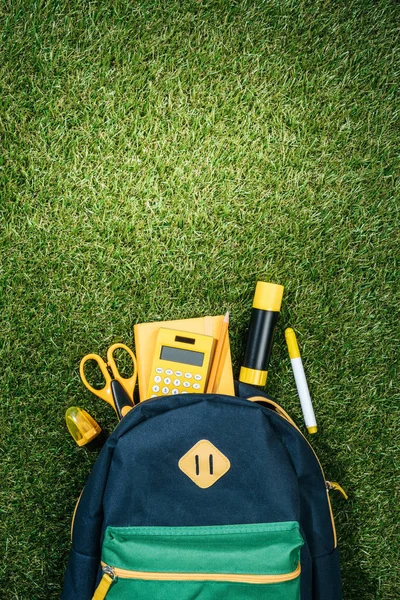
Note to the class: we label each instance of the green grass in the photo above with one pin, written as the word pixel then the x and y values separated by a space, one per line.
pixel 158 158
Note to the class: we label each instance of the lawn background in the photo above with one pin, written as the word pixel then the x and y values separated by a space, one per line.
pixel 157 159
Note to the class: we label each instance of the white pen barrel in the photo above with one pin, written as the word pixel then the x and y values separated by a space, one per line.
pixel 303 391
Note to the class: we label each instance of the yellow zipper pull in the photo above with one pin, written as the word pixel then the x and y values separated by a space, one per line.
pixel 105 583
pixel 333 485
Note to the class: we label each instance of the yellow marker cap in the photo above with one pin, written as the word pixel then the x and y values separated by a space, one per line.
pixel 312 429
pixel 292 344
pixel 268 296
pixel 81 425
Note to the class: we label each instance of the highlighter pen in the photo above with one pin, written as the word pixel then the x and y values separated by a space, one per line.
pixel 264 316
pixel 301 381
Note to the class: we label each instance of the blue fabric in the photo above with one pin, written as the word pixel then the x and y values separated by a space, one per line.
pixel 274 476
pixel 80 576
pixel 327 582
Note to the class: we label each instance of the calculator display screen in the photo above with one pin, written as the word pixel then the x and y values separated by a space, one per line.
pixel 188 357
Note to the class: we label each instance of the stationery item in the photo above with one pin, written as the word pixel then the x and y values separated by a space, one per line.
pixel 181 363
pixel 301 381
pixel 264 316
pixel 145 344
pixel 117 391
pixel 216 364
pixel 81 425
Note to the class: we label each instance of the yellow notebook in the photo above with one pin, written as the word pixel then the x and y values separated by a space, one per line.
pixel 145 342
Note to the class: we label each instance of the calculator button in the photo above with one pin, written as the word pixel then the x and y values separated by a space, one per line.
pixel 157 379
pixel 177 382
pixel 159 370
pixel 186 384
pixel 196 386
pixel 175 391
pixel 198 377
pixel 167 380
pixel 184 392
pixel 168 371
pixel 178 373
pixel 188 375
pixel 165 390
pixel 153 396
pixel 156 388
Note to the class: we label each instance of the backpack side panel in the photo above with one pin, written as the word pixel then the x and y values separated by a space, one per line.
pixel 83 563
pixel 316 519
pixel 82 572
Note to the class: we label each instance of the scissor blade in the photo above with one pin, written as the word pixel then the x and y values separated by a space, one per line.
pixel 120 397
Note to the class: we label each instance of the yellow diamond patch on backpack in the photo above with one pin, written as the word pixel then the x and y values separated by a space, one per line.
pixel 204 464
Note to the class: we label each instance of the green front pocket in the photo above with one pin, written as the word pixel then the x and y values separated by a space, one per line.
pixel 254 562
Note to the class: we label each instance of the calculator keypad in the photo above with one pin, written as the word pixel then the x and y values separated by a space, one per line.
pixel 166 381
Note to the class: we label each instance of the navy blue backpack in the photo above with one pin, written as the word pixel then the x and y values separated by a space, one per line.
pixel 200 497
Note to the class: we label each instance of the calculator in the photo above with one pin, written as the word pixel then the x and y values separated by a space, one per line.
pixel 181 363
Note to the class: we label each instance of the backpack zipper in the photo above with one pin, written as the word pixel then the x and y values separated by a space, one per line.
pixel 105 583
pixel 334 485
pixel 112 574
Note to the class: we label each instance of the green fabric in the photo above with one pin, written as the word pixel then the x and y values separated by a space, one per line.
pixel 265 549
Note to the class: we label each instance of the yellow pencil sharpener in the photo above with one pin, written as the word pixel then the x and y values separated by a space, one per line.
pixel 81 425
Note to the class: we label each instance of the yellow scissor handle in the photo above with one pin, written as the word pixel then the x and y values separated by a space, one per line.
pixel 105 392
pixel 128 383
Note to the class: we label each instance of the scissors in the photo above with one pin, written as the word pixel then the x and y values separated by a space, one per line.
pixel 118 390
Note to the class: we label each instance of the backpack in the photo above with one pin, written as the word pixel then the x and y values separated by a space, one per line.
pixel 200 497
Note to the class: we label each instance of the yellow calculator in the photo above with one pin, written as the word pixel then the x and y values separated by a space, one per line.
pixel 181 363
